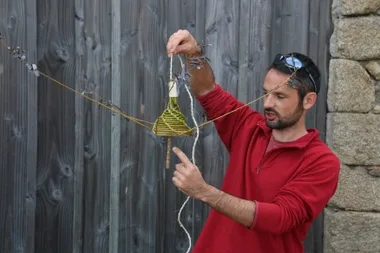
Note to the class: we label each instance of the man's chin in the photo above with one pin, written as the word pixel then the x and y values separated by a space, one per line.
pixel 272 124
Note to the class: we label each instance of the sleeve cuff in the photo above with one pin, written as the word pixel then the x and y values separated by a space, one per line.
pixel 255 214
pixel 266 217
pixel 212 93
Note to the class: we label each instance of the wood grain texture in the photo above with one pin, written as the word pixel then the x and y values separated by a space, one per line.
pixel 131 92
pixel 18 129
pixel 97 79
pixel 78 188
pixel 115 127
pixel 56 121
pixel 32 112
pixel 96 182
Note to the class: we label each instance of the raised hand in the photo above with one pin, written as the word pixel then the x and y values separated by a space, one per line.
pixel 182 42
pixel 188 178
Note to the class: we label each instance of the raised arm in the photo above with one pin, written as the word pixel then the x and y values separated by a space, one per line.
pixel 202 80
pixel 214 100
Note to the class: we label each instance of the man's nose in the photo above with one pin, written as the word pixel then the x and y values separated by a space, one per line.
pixel 268 101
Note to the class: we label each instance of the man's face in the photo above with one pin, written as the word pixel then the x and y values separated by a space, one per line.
pixel 282 108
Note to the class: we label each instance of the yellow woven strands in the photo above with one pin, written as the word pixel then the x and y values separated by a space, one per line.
pixel 172 122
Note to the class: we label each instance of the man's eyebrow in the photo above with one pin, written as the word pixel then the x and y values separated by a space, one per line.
pixel 275 92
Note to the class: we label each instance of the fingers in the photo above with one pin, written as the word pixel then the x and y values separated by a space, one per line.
pixel 179 42
pixel 182 156
pixel 179 176
pixel 181 168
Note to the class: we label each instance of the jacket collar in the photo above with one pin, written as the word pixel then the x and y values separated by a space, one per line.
pixel 302 142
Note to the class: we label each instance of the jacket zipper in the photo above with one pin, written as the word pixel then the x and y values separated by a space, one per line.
pixel 263 159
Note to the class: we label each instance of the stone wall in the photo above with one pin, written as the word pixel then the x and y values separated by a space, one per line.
pixel 352 218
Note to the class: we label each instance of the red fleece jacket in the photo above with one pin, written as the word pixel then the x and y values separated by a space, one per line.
pixel 290 184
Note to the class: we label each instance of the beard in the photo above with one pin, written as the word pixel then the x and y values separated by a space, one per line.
pixel 283 122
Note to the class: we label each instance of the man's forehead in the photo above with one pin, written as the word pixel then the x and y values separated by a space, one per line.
pixel 276 78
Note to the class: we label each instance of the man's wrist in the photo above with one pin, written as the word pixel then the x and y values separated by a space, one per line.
pixel 211 195
pixel 197 51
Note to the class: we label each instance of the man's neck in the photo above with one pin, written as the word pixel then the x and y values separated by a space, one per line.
pixel 289 134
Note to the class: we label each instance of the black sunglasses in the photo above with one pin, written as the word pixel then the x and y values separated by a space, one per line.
pixel 293 64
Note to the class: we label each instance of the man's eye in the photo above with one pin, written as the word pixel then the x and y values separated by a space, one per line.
pixel 280 97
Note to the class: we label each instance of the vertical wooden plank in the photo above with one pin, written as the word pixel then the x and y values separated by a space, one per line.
pixel 200 14
pixel 143 172
pixel 245 61
pixel 313 50
pixel 18 130
pixel 276 34
pixel 56 145
pixel 31 162
pixel 115 128
pixel 79 133
pixel 152 172
pixel 258 61
pixel 323 58
pixel 295 26
pixel 97 61
pixel 131 146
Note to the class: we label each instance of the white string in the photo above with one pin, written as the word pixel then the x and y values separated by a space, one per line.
pixel 192 152
pixel 171 68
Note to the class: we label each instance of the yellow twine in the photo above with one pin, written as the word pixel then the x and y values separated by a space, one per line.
pixel 172 122
pixel 183 132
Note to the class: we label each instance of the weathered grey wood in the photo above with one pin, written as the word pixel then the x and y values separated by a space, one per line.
pixel 78 197
pixel 259 51
pixel 101 180
pixel 131 92
pixel 115 128
pixel 55 167
pixel 31 160
pixel 151 165
pixel 97 128
pixel 322 59
pixel 245 61
pixel 18 129
pixel 144 58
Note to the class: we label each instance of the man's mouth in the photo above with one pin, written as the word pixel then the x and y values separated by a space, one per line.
pixel 270 116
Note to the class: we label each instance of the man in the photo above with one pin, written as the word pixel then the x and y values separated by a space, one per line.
pixel 280 175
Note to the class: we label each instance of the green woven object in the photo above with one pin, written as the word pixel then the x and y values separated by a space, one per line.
pixel 172 122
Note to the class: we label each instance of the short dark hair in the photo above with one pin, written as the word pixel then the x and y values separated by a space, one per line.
pixel 304 77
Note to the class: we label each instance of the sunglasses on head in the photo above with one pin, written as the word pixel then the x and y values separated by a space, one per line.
pixel 293 64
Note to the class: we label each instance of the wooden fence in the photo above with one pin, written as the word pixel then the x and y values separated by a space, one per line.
pixel 75 178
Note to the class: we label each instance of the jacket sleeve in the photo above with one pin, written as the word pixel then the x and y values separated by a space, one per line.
pixel 301 200
pixel 219 102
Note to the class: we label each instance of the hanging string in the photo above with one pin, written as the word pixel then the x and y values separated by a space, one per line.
pixel 192 159
pixel 118 111
pixel 33 67
pixel 17 52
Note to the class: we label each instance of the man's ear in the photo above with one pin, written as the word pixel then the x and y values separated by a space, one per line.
pixel 309 100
